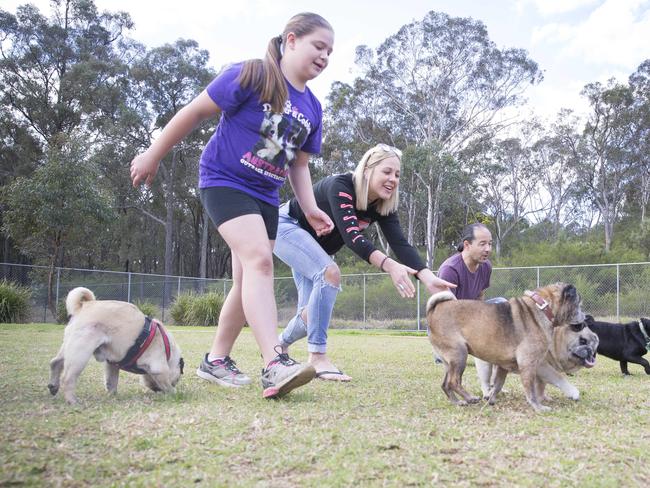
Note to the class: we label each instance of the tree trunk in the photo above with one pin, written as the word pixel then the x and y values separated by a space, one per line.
pixel 203 258
pixel 169 226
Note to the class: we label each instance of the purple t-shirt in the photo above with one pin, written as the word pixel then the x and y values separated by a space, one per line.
pixel 470 285
pixel 253 147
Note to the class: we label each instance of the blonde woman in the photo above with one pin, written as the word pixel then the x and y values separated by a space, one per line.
pixel 353 201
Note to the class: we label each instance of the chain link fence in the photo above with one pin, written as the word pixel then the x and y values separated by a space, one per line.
pixel 613 291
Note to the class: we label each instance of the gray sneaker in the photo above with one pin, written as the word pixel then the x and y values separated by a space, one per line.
pixel 222 372
pixel 283 374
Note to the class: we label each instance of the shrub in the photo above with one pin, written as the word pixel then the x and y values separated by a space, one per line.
pixel 180 306
pixel 148 308
pixel 205 309
pixel 14 302
pixel 201 310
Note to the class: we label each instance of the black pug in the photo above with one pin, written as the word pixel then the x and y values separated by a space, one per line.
pixel 623 342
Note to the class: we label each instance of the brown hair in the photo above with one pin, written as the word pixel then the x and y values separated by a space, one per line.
pixel 264 75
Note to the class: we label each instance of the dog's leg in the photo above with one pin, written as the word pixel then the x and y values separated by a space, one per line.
pixel 528 375
pixel 455 379
pixel 484 371
pixel 111 376
pixel 624 370
pixel 77 351
pixel 641 361
pixel 56 367
pixel 445 386
pixel 549 375
pixel 499 380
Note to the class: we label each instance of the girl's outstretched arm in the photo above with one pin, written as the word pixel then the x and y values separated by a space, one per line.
pixel 145 166
pixel 300 180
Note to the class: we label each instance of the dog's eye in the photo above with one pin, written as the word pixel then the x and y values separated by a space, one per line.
pixel 577 327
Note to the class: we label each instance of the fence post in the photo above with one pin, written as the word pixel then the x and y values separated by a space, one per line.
pixel 364 298
pixel 417 315
pixel 58 284
pixel 618 292
pixel 128 288
pixel 537 286
pixel 178 290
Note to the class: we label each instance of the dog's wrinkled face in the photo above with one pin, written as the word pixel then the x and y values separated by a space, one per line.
pixel 568 310
pixel 575 345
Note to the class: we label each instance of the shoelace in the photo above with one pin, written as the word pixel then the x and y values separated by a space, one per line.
pixel 282 358
pixel 229 364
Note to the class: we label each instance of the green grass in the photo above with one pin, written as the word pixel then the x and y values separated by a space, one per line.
pixel 392 426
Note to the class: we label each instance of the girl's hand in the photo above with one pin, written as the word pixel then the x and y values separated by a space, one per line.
pixel 319 221
pixel 400 275
pixel 143 169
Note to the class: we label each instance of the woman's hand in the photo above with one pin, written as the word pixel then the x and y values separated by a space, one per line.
pixel 143 169
pixel 400 274
pixel 319 221
pixel 432 282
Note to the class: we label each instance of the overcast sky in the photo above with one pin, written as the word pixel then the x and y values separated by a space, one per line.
pixel 573 41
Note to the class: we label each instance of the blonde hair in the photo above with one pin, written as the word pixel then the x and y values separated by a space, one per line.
pixel 361 178
pixel 264 75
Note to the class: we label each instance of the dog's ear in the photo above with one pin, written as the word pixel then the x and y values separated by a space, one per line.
pixel 569 293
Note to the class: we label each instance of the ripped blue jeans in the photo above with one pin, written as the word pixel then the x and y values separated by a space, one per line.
pixel 308 262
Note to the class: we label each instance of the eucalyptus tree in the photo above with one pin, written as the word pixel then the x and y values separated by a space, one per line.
pixel 510 185
pixel 604 160
pixel 53 70
pixel 58 209
pixel 639 83
pixel 439 83
pixel 168 78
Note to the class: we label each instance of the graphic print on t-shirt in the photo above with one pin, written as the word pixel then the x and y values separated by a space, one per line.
pixel 281 135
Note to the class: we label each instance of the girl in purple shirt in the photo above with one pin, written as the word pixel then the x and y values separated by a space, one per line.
pixel 270 123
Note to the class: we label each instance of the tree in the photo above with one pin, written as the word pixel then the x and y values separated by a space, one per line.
pixel 67 208
pixel 603 161
pixel 52 71
pixel 440 84
pixel 169 77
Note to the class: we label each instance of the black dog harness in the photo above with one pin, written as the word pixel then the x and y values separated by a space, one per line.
pixel 141 344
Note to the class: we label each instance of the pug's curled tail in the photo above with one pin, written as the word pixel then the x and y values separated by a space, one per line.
pixel 76 297
pixel 436 298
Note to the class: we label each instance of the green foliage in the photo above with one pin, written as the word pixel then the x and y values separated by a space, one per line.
pixel 150 309
pixel 199 310
pixel 180 306
pixel 14 302
pixel 66 206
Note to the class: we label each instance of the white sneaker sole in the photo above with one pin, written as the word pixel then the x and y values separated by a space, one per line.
pixel 207 376
pixel 303 377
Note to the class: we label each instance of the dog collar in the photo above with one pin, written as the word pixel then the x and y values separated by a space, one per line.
pixel 542 304
pixel 645 335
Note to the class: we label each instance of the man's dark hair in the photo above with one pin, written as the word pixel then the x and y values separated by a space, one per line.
pixel 469 234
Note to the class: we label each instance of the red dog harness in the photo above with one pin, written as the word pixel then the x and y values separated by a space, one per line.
pixel 141 344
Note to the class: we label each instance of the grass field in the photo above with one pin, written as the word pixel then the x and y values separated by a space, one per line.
pixel 392 426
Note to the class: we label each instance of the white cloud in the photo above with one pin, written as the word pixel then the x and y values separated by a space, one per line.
pixel 553 7
pixel 615 33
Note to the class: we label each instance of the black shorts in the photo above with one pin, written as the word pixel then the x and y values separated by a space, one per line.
pixel 224 203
